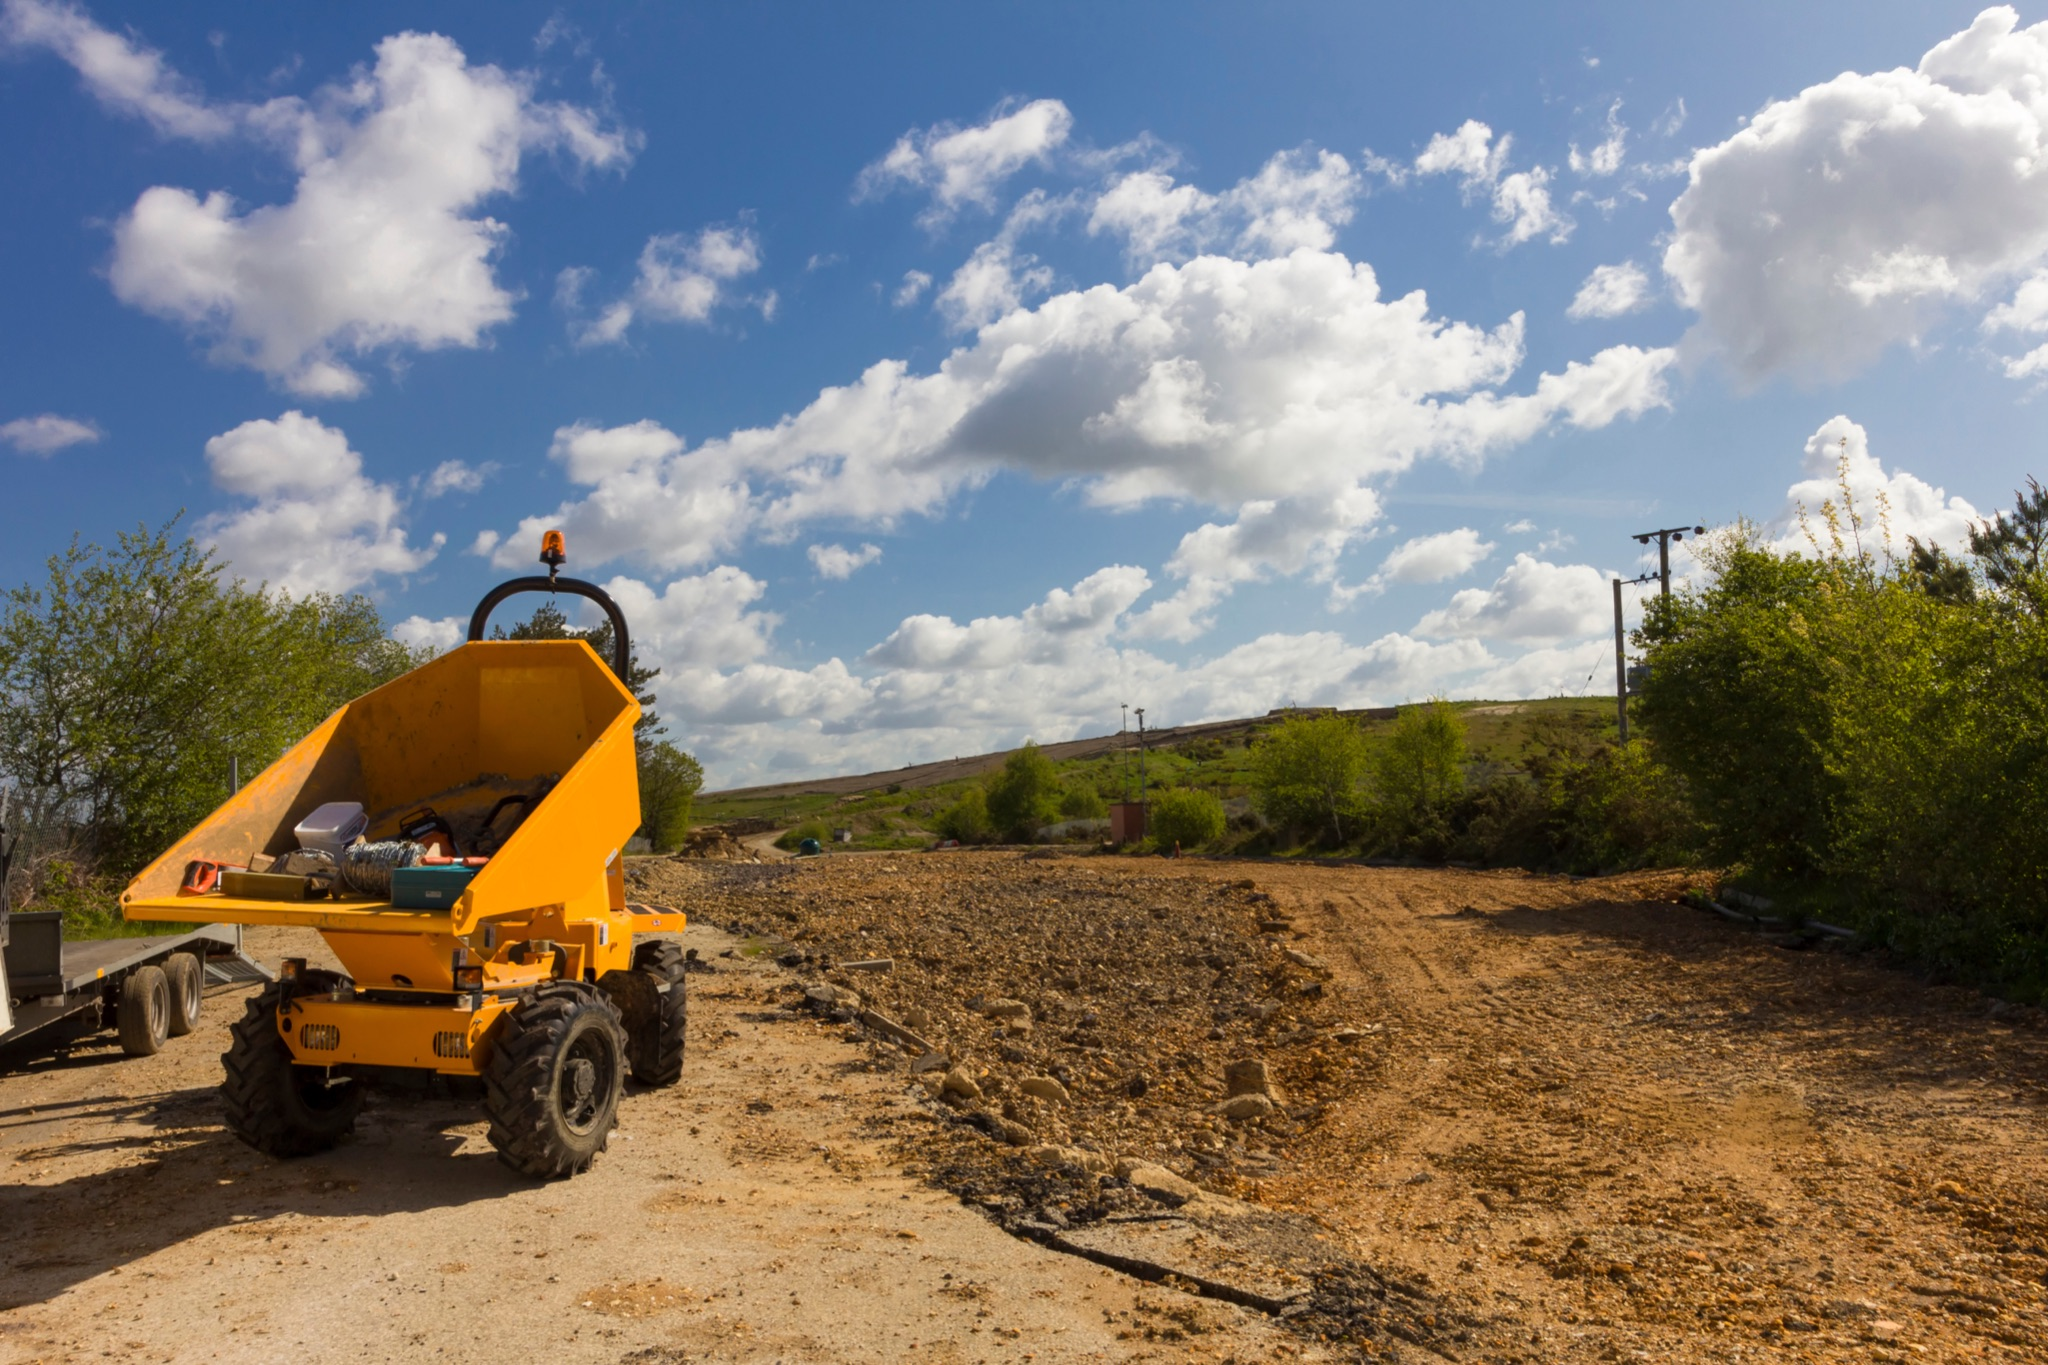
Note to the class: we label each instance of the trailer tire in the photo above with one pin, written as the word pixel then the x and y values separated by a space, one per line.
pixel 553 1079
pixel 144 1014
pixel 278 1107
pixel 188 991
pixel 661 957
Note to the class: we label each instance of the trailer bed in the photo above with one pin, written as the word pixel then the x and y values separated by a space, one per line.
pixel 51 980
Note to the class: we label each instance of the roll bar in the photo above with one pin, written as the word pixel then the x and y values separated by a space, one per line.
pixel 552 556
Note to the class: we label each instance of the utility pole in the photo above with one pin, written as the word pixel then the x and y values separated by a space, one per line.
pixel 1665 538
pixel 1620 669
pixel 1621 655
pixel 1141 755
pixel 1123 745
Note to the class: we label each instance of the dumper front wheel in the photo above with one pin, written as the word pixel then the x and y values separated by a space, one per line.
pixel 277 1107
pixel 552 1084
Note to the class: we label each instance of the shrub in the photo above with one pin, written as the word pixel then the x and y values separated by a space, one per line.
pixel 1419 766
pixel 1185 818
pixel 1024 795
pixel 1305 773
pixel 967 818
pixel 1080 801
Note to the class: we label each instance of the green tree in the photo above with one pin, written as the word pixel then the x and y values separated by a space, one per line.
pixel 967 818
pixel 669 781
pixel 1080 801
pixel 1185 818
pixel 1024 795
pixel 134 674
pixel 1305 773
pixel 1419 765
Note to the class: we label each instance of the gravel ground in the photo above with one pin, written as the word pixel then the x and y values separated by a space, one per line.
pixel 1505 1117
pixel 752 1214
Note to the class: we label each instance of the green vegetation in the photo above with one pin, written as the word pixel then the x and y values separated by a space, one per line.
pixel 1185 819
pixel 1307 774
pixel 1866 738
pixel 131 677
pixel 1025 795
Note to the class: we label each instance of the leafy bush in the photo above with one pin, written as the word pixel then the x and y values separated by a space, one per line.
pixel 669 781
pixel 1184 818
pixel 1024 795
pixel 1080 801
pixel 1419 765
pixel 1865 735
pixel 1305 774
pixel 967 818
pixel 134 673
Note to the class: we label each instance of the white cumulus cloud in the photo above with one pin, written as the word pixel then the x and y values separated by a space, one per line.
pixel 836 561
pixel 1860 212
pixel 1532 602
pixel 1890 506
pixel 317 523
pixel 1298 199
pixel 1610 291
pixel 454 476
pixel 963 166
pixel 682 278
pixel 382 246
pixel 47 433
pixel 1520 199
pixel 1220 382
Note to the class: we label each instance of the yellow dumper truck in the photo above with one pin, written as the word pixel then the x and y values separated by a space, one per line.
pixel 455 836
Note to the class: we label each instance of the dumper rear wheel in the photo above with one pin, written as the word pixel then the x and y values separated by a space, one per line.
pixel 552 1083
pixel 655 1011
pixel 661 957
pixel 276 1106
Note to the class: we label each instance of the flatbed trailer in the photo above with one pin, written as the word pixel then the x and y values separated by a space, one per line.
pixel 87 984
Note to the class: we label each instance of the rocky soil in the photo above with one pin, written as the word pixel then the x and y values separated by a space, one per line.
pixel 1483 1116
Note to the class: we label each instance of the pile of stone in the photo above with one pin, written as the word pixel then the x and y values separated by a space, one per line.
pixel 716 843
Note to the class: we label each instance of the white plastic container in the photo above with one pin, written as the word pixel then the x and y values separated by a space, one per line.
pixel 332 827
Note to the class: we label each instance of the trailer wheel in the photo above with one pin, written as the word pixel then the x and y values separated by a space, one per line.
pixel 655 1011
pixel 188 991
pixel 553 1079
pixel 144 1013
pixel 660 956
pixel 273 1104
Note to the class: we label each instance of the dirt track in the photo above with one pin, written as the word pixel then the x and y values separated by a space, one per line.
pixel 1519 1119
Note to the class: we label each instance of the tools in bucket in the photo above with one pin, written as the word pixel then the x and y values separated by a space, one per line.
pixel 421 860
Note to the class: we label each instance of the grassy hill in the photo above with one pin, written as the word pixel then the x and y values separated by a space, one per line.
pixel 891 809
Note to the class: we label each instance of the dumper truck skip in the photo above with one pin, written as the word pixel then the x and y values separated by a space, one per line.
pixel 526 975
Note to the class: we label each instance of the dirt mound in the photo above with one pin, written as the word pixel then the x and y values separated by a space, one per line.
pixel 1493 1115
pixel 717 843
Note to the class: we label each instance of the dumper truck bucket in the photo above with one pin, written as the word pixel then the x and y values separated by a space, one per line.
pixel 545 719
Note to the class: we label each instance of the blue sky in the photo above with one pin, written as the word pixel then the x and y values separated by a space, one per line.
pixel 929 378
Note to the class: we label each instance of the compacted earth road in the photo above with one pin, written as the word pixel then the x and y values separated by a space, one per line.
pixel 1001 1107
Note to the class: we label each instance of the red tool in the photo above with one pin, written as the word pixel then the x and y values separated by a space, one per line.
pixel 203 876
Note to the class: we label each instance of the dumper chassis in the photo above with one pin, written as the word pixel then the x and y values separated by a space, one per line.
pixel 532 986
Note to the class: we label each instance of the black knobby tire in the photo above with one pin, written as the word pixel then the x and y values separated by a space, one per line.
pixel 144 1014
pixel 276 1106
pixel 661 957
pixel 552 1082
pixel 188 991
pixel 654 1010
